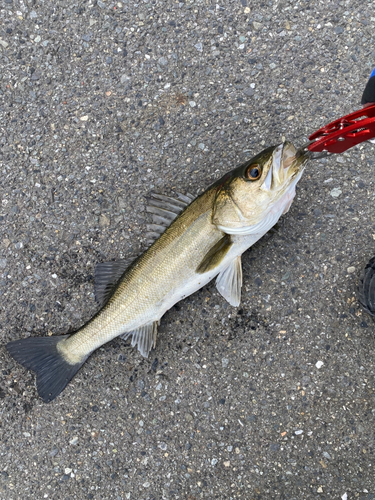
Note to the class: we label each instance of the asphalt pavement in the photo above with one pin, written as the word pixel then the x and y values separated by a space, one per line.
pixel 102 103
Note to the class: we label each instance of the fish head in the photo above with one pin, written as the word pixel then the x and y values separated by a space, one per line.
pixel 259 191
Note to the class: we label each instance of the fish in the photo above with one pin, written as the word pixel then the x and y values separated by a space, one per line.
pixel 196 240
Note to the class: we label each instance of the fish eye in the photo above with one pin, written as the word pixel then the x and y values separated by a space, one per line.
pixel 253 172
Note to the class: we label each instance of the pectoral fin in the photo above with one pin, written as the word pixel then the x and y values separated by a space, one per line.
pixel 145 337
pixel 229 282
pixel 215 255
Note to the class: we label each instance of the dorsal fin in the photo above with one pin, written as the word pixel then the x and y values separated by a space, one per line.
pixel 164 210
pixel 107 275
pixel 180 199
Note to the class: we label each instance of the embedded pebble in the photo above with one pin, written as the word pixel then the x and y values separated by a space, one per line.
pixel 319 364
pixel 336 192
pixel 104 221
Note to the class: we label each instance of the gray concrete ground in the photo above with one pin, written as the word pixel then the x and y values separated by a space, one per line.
pixel 102 102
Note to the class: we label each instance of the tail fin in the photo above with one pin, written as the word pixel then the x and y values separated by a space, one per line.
pixel 40 354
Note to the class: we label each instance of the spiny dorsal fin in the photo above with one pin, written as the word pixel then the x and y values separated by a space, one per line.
pixel 180 200
pixel 164 210
pixel 144 336
pixel 215 255
pixel 106 278
pixel 166 213
pixel 229 282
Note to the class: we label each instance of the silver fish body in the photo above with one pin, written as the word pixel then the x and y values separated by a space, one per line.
pixel 205 240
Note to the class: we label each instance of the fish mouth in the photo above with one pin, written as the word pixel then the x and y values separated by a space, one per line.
pixel 286 165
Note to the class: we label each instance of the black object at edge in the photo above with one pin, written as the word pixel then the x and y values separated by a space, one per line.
pixel 366 288
pixel 369 92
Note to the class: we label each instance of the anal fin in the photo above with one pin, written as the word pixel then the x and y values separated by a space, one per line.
pixel 144 337
pixel 229 282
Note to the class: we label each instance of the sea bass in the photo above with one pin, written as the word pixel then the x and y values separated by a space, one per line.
pixel 205 239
